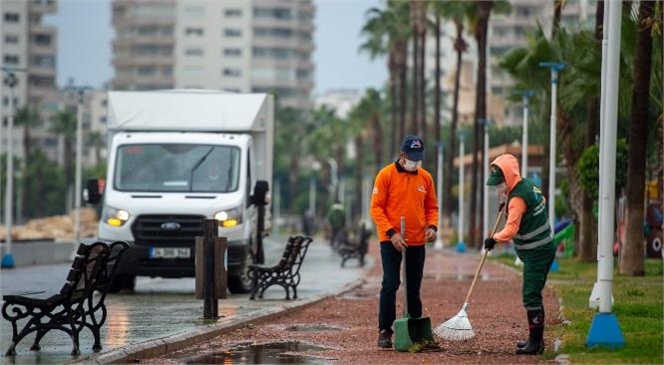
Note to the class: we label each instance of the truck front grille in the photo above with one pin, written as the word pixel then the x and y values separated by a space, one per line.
pixel 167 230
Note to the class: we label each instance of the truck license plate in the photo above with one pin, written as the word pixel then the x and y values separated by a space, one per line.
pixel 169 253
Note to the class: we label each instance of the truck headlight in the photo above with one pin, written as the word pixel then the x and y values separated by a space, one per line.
pixel 230 217
pixel 114 217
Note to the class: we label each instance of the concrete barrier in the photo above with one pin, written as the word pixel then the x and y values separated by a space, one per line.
pixel 28 253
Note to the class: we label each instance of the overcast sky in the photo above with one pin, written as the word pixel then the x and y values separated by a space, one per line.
pixel 85 34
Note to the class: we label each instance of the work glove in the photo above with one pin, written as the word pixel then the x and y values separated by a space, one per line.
pixel 489 243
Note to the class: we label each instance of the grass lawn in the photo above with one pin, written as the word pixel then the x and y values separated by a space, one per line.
pixel 638 306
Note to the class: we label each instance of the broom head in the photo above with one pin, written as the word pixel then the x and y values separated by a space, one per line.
pixel 457 328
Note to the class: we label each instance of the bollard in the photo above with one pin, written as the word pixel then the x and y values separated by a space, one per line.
pixel 210 304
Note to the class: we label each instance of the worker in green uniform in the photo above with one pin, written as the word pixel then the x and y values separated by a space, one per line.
pixel 527 225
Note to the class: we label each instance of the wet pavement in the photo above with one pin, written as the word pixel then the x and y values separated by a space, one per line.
pixel 163 315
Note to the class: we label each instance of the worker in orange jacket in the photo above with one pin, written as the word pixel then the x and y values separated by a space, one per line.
pixel 403 189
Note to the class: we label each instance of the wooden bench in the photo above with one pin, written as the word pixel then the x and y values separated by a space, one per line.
pixel 74 307
pixel 354 246
pixel 286 273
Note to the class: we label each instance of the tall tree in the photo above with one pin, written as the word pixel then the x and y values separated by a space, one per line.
pixel 481 33
pixel 631 257
pixel 457 12
pixel 387 32
pixel 28 118
pixel 64 125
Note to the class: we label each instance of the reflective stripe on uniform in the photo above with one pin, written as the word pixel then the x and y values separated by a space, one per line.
pixel 540 229
pixel 530 246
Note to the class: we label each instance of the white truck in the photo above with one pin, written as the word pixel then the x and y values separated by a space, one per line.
pixel 175 158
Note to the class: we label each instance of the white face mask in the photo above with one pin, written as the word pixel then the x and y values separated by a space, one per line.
pixel 411 165
pixel 501 189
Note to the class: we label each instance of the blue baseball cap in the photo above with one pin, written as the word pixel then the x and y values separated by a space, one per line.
pixel 413 147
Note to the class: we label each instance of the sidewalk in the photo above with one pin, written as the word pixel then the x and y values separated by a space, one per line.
pixel 343 329
pixel 163 315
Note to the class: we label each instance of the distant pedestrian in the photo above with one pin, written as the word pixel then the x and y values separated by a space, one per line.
pixel 403 189
pixel 308 223
pixel 336 219
pixel 528 226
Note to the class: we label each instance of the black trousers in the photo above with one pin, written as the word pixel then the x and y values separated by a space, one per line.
pixel 391 259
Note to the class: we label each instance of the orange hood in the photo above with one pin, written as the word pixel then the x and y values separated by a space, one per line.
pixel 510 168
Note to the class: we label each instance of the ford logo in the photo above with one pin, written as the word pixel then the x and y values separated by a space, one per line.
pixel 170 226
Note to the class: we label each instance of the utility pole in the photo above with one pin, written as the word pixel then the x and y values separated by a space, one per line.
pixel 11 81
pixel 80 91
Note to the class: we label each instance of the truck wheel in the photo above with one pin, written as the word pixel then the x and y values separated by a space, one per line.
pixel 122 283
pixel 241 284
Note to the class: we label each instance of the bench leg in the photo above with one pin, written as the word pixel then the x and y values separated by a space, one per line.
pixel 294 291
pixel 12 349
pixel 35 345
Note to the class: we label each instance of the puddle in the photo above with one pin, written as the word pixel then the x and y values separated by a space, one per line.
pixel 313 328
pixel 268 353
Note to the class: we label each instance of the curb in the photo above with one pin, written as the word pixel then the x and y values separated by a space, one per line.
pixel 161 346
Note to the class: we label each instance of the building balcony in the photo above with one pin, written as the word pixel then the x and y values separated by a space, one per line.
pixel 43 6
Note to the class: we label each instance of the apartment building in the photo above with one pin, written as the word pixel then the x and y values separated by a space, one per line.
pixel 508 31
pixel 29 48
pixel 243 46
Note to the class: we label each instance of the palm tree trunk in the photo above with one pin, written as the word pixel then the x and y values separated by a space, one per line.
pixel 436 94
pixel 393 100
pixel 459 45
pixel 484 11
pixel 587 247
pixel 421 75
pixel 359 172
pixel 403 86
pixel 631 256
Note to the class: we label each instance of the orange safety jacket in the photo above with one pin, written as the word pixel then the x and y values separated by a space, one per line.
pixel 398 193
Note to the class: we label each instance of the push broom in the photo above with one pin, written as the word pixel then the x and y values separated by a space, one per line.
pixel 458 328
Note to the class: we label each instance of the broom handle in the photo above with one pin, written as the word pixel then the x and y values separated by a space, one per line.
pixel 403 255
pixel 486 252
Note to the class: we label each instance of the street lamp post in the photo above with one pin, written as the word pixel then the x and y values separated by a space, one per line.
pixel 439 188
pixel 8 258
pixel 555 67
pixel 485 166
pixel 527 94
pixel 80 90
pixel 461 246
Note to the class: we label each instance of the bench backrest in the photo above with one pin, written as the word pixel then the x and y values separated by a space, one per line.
pixel 82 275
pixel 300 247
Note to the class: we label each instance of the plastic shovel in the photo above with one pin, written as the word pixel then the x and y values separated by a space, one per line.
pixel 410 331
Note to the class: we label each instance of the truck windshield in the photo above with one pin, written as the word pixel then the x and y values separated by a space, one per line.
pixel 177 167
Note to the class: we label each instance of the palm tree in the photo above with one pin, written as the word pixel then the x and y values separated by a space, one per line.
pixel 387 32
pixel 28 118
pixel 631 257
pixel 96 141
pixel 480 31
pixel 64 125
pixel 457 12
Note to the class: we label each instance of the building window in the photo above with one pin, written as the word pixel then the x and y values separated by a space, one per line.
pixel 145 70
pixel 11 39
pixel 196 52
pixel 43 61
pixel 194 31
pixel 194 11
pixel 12 17
pixel 232 72
pixel 11 59
pixel 232 52
pixel 42 39
pixel 232 32
pixel 233 13
pixel 274 13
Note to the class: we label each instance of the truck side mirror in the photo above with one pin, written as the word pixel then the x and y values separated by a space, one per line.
pixel 92 192
pixel 260 196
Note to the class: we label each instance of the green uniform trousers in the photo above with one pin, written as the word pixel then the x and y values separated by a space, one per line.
pixel 536 265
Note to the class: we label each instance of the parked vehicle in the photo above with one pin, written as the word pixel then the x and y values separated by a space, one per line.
pixel 175 158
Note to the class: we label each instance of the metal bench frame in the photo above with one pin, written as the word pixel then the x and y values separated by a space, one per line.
pixel 285 274
pixel 74 307
pixel 355 249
